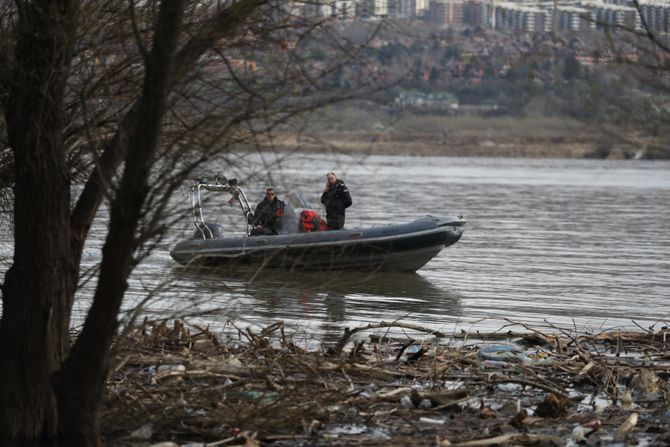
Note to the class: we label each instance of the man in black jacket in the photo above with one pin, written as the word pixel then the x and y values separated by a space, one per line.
pixel 266 218
pixel 336 198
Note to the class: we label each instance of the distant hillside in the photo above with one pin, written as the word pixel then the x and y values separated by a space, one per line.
pixel 474 91
pixel 369 128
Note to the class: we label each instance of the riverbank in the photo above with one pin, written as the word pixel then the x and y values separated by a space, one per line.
pixel 456 146
pixel 375 130
pixel 183 385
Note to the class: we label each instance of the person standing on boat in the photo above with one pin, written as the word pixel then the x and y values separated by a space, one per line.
pixel 266 219
pixel 336 199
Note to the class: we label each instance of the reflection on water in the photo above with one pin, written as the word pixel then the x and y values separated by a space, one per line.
pixel 319 305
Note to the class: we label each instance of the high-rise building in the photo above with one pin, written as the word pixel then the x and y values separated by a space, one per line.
pixel 572 18
pixel 478 12
pixel 521 17
pixel 421 8
pixel 656 14
pixel 446 12
pixel 342 9
pixel 372 8
pixel 612 16
pixel 404 9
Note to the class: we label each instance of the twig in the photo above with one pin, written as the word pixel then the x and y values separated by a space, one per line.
pixel 504 439
pixel 534 385
pixel 348 333
pixel 645 330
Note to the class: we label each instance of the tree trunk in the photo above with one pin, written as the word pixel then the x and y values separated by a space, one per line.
pixel 36 293
pixel 40 401
pixel 80 383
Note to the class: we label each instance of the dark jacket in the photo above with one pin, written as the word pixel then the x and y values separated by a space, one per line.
pixel 267 214
pixel 336 199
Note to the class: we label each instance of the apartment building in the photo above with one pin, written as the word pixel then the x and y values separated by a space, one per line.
pixel 446 12
pixel 341 9
pixel 656 14
pixel 366 9
pixel 573 18
pixel 402 9
pixel 611 16
pixel 521 17
pixel 479 12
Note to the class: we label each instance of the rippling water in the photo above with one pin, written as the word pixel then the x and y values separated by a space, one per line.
pixel 574 243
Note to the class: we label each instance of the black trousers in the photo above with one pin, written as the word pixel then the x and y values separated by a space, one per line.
pixel 335 222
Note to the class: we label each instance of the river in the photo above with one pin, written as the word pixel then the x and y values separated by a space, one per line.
pixel 579 244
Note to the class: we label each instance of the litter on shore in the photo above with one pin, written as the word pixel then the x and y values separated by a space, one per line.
pixel 182 385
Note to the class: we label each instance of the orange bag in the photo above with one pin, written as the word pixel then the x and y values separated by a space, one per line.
pixel 310 221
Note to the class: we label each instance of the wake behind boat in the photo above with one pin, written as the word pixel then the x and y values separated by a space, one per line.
pixel 394 247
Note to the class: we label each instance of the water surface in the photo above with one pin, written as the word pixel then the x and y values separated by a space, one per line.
pixel 573 243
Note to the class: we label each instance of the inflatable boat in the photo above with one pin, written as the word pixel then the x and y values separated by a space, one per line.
pixel 393 247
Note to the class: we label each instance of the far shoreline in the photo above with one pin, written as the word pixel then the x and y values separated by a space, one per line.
pixel 345 144
pixel 353 130
pixel 426 150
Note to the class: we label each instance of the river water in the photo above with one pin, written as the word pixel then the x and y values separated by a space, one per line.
pixel 580 244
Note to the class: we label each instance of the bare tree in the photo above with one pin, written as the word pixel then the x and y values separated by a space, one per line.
pixel 620 85
pixel 118 103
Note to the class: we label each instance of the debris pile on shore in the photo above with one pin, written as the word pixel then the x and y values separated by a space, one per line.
pixel 184 386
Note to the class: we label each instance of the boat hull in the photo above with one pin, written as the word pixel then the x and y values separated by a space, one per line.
pixel 404 247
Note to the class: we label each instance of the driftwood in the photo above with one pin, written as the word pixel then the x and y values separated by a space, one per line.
pixel 517 439
pixel 348 333
pixel 173 386
pixel 533 384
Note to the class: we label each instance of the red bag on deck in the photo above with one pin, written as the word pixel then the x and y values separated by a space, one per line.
pixel 310 221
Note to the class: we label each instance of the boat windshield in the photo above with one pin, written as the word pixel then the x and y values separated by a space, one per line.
pixel 297 200
pixel 295 203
